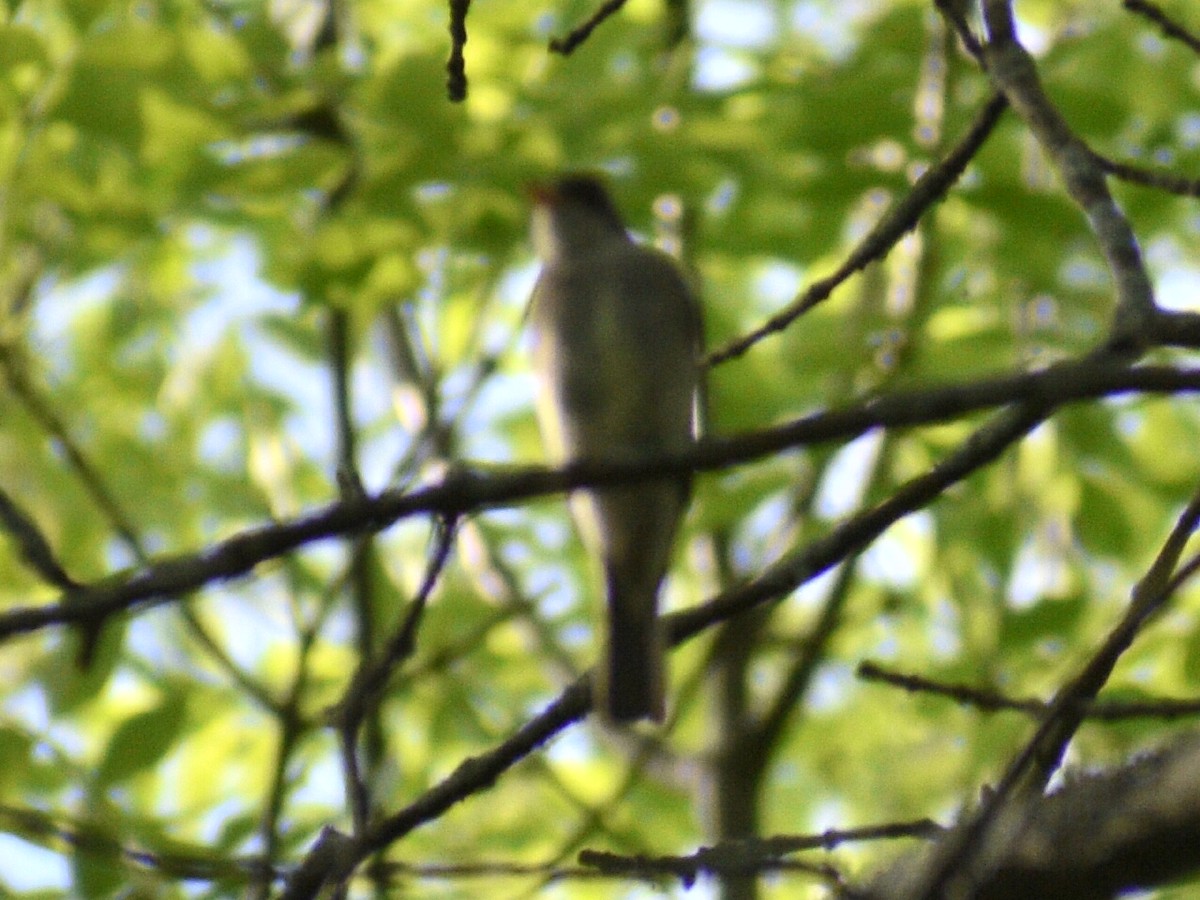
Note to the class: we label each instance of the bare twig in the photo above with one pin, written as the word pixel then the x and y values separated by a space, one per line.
pixel 456 67
pixel 988 700
pixel 1169 26
pixel 752 855
pixel 900 219
pixel 1161 179
pixel 566 45
pixel 953 12
pixel 373 673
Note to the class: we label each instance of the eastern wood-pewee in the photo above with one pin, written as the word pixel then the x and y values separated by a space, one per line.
pixel 616 350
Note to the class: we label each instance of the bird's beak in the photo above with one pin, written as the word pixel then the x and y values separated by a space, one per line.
pixel 542 193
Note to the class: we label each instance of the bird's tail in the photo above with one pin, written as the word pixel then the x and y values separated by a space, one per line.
pixel 631 677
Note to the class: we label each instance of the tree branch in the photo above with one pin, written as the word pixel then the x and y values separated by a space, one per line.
pixel 1013 72
pixel 899 220
pixel 464 491
pixel 1135 826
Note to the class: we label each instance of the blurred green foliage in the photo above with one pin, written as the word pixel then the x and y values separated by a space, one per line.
pixel 189 191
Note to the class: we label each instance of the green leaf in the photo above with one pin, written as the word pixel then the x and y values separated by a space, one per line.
pixel 141 741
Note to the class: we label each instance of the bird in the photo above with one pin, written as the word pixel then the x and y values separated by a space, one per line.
pixel 616 338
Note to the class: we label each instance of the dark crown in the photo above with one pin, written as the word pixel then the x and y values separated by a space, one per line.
pixel 589 192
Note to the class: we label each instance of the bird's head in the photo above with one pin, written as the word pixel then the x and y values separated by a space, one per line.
pixel 573 214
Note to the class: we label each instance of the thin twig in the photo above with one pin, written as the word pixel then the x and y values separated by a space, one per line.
pixel 456 67
pixel 901 218
pixel 361 695
pixel 1169 26
pixel 566 45
pixel 1156 178
pixel 753 854
pixel 988 700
